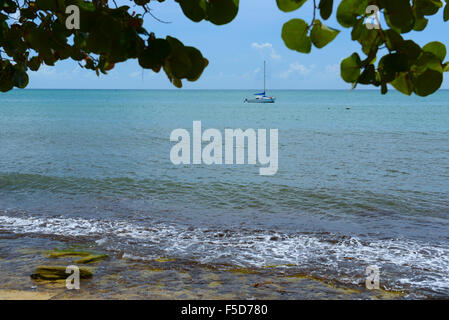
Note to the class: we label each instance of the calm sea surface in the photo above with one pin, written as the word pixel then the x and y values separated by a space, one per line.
pixel 355 187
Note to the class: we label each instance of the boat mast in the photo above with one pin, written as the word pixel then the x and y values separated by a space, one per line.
pixel 264 77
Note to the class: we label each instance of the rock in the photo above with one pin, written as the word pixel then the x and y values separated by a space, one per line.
pixel 92 258
pixel 68 253
pixel 87 257
pixel 258 284
pixel 58 273
pixel 242 270
pixel 162 259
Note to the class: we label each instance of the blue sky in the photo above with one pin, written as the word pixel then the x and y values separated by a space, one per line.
pixel 235 51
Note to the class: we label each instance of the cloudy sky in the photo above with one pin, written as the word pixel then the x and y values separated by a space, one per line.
pixel 235 51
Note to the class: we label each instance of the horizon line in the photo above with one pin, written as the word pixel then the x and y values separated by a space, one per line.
pixel 193 89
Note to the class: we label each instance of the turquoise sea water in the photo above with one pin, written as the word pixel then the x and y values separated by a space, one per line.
pixel 355 187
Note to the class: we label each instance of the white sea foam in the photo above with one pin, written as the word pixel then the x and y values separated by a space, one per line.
pixel 403 262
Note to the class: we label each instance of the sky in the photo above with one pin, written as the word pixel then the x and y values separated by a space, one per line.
pixel 235 51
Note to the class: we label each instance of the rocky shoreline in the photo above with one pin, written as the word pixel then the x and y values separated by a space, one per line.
pixel 34 268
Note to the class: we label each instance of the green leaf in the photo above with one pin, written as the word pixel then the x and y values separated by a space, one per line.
pixel 426 61
pixel 222 11
pixel 393 39
pixel 349 10
pixel 370 40
pixel 198 63
pixel 90 6
pixel 20 77
pixel 34 63
pixel 428 82
pixel 350 68
pixel 420 23
pixel 180 64
pixel 437 48
pixel 289 5
pixel 8 6
pixel 294 34
pixel 142 2
pixel 358 28
pixel 396 62
pixel 403 83
pixel 427 7
pixel 322 35
pixel 154 55
pixel 446 12
pixel 410 48
pixel 195 10
pixel 399 14
pixel 446 67
pixel 325 7
pixel 368 75
pixel 45 4
pixel 6 78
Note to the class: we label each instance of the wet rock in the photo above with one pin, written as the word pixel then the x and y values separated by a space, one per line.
pixel 92 258
pixel 67 253
pixel 242 270
pixel 163 259
pixel 260 284
pixel 58 273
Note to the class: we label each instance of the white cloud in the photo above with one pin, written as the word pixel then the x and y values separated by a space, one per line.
pixel 266 48
pixel 297 68
pixel 136 74
pixel 335 68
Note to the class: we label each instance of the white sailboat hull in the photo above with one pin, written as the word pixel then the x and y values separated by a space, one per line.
pixel 260 100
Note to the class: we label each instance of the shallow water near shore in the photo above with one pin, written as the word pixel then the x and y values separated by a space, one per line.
pixel 358 187
pixel 125 277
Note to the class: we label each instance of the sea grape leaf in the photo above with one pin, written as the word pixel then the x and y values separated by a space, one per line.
pixel 325 7
pixel 427 60
pixel 420 23
pixel 20 77
pixel 349 10
pixel 322 35
pixel 368 75
pixel 198 63
pixel 222 11
pixel 290 5
pixel 403 83
pixel 446 12
pixel 350 68
pixel 295 35
pixel 437 48
pixel 34 63
pixel 195 10
pixel 427 7
pixel 400 15
pixel 427 82
pixel 154 55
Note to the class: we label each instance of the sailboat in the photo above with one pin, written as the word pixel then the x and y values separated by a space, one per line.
pixel 261 97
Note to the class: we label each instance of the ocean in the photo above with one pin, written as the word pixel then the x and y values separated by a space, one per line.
pixel 363 179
